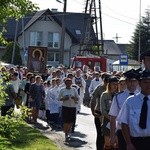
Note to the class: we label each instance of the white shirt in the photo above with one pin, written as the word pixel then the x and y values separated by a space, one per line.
pixel 52 100
pixel 82 88
pixel 71 92
pixel 94 83
pixel 117 103
pixel 16 84
pixel 130 115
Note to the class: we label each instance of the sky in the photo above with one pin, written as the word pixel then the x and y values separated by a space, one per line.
pixel 118 16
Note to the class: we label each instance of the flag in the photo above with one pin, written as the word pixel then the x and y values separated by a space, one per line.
pixel 25 52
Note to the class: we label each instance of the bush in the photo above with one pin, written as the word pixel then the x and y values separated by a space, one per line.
pixel 10 123
pixel 7 57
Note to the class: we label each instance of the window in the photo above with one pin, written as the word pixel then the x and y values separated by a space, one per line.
pixel 53 56
pixel 78 64
pixel 53 40
pixel 35 38
pixel 78 32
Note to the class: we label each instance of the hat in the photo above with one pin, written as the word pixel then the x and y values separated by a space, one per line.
pixel 145 74
pixel 122 79
pixel 131 74
pixel 69 74
pixel 105 77
pixel 67 79
pixel 146 53
pixel 113 79
pixel 96 73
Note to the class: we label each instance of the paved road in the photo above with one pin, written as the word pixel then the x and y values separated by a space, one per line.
pixel 84 136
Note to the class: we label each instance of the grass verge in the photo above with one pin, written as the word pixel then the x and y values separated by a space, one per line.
pixel 28 139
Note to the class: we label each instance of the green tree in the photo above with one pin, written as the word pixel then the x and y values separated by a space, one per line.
pixel 144 28
pixel 14 9
pixel 7 57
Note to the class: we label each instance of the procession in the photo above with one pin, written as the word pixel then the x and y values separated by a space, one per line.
pixel 67 83
pixel 57 96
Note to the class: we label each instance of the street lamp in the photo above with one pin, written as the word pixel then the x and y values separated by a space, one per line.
pixel 139 51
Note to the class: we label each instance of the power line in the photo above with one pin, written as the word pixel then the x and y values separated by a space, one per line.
pixel 120 14
pixel 118 19
pixel 61 14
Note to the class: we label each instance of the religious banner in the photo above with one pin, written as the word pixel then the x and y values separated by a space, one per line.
pixel 37 59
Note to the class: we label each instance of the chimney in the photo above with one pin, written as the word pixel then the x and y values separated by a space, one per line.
pixel 54 9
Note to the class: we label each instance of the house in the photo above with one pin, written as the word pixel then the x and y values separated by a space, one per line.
pixel 44 29
pixel 111 49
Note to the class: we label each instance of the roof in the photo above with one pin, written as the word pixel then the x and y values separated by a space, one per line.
pixel 11 26
pixel 73 22
pixel 131 62
pixel 123 47
pixel 77 21
pixel 111 47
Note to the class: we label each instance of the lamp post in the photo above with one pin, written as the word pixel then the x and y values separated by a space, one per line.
pixel 139 49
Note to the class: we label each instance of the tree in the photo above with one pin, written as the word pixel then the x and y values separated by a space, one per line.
pixel 13 9
pixel 7 57
pixel 144 28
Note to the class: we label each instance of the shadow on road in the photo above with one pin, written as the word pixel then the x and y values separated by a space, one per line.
pixel 75 142
pixel 78 134
pixel 40 126
pixel 84 114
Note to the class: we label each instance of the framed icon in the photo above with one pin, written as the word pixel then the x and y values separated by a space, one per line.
pixel 37 59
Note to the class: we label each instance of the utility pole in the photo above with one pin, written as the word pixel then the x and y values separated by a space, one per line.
pixel 63 34
pixel 101 28
pixel 95 15
pixel 139 51
pixel 15 39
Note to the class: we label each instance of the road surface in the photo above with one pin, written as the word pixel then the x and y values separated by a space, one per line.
pixel 84 136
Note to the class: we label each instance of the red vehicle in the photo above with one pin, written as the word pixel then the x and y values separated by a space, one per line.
pixel 91 62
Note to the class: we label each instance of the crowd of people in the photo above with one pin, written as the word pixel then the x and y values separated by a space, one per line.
pixel 115 100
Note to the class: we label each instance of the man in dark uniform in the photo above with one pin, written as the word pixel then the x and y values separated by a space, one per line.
pixel 145 58
pixel 131 79
pixel 134 116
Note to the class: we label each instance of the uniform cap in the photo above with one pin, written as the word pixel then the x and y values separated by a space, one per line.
pixel 131 74
pixel 146 53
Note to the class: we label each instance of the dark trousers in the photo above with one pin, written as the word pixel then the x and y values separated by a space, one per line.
pixel 99 138
pixel 74 124
pixel 54 118
pixel 141 143
pixel 48 115
pixel 121 142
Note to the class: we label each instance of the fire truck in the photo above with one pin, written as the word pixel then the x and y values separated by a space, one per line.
pixel 91 62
